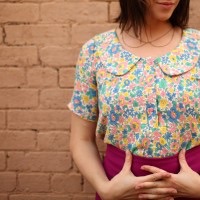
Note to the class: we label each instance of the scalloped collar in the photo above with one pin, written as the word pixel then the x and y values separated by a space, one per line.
pixel 180 60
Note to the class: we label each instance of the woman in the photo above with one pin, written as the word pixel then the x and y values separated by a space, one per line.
pixel 138 88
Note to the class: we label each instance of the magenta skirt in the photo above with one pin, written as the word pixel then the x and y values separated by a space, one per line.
pixel 114 161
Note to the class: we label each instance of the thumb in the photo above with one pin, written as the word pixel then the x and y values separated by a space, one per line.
pixel 182 160
pixel 128 161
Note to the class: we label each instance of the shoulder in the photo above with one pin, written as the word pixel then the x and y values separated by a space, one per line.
pixel 192 34
pixel 98 41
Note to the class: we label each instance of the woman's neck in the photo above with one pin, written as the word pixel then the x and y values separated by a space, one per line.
pixel 152 31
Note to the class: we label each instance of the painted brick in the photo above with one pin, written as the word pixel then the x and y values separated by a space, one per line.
pixel 12 77
pixel 59 56
pixel 8 181
pixel 64 183
pixel 114 11
pixel 66 77
pixel 1 35
pixel 87 188
pixel 83 197
pixel 9 140
pixel 17 12
pixel 74 12
pixel 10 98
pixel 55 98
pixel 2 120
pixel 39 197
pixel 2 161
pixel 53 140
pixel 39 161
pixel 37 34
pixel 39 182
pixel 20 56
pixel 40 119
pixel 3 196
pixel 42 77
pixel 84 32
pixel 194 14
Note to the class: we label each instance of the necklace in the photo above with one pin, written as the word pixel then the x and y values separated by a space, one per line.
pixel 148 38
pixel 150 42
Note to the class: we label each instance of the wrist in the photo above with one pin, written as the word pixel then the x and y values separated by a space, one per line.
pixel 104 189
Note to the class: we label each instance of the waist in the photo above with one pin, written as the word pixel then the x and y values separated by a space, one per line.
pixel 114 161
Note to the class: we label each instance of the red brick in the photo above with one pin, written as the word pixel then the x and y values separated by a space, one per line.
pixel 59 56
pixel 18 55
pixel 39 182
pixel 2 161
pixel 40 119
pixel 84 32
pixel 66 77
pixel 55 98
pixel 64 183
pixel 2 120
pixel 9 140
pixel 8 181
pixel 39 197
pixel 17 12
pixel 55 140
pixel 42 77
pixel 37 34
pixel 10 98
pixel 83 12
pixel 12 77
pixel 114 11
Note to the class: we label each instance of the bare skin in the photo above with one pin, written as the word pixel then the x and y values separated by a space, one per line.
pixel 160 184
pixel 123 185
pixel 186 182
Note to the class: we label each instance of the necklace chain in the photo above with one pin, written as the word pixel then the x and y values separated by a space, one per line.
pixel 150 42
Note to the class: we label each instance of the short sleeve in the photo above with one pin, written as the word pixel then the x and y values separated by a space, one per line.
pixel 84 99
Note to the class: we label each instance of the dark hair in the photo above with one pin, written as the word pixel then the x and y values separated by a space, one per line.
pixel 133 15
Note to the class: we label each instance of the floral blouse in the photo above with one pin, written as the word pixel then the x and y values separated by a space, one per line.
pixel 150 106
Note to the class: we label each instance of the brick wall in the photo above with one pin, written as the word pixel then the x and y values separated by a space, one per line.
pixel 39 45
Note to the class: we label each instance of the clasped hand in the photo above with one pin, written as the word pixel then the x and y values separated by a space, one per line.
pixel 159 185
pixel 126 185
pixel 186 182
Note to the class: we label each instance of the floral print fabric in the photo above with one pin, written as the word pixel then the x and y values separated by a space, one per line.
pixel 150 106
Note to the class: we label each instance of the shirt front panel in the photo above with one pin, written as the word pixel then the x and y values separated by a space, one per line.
pixel 149 106
pixel 146 110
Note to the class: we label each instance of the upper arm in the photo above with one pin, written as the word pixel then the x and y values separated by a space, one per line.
pixel 81 129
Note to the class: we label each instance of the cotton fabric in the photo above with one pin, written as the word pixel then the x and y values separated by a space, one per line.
pixel 150 106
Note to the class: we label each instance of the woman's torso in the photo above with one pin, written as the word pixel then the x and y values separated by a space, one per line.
pixel 150 106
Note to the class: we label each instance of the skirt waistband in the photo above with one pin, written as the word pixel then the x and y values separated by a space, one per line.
pixel 114 161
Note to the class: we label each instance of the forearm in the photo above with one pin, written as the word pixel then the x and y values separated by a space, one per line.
pixel 87 159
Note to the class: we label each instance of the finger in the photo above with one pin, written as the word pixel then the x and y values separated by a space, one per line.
pixel 159 191
pixel 128 161
pixel 152 178
pixel 152 169
pixel 155 184
pixel 155 196
pixel 182 160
